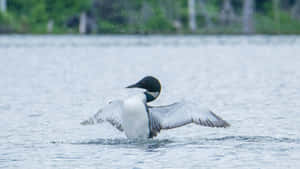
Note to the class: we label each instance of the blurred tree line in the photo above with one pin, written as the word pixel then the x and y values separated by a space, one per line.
pixel 150 16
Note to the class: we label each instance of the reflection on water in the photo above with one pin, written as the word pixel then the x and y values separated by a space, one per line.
pixel 51 83
pixel 142 41
pixel 148 145
pixel 163 142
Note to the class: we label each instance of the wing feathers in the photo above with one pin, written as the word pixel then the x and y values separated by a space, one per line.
pixel 218 121
pixel 161 117
pixel 94 119
pixel 180 114
pixel 110 113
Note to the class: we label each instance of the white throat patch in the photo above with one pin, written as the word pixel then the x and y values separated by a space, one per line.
pixel 153 94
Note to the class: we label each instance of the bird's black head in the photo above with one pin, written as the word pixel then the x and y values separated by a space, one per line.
pixel 152 86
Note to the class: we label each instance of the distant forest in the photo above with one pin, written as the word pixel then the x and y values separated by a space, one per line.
pixel 150 16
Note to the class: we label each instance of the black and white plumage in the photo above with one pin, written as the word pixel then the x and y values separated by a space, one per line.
pixel 183 113
pixel 139 120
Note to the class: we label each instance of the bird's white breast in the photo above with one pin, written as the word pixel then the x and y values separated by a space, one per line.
pixel 135 117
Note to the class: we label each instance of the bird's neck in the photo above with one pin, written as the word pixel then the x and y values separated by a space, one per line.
pixel 150 96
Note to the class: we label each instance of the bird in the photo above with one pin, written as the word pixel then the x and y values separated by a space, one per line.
pixel 139 120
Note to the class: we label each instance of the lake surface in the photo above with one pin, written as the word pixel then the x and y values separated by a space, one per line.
pixel 49 84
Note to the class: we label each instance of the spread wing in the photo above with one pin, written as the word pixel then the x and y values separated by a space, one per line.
pixel 110 113
pixel 180 114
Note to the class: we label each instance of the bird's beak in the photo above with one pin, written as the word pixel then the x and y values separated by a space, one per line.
pixel 133 86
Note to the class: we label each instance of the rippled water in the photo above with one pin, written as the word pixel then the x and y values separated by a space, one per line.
pixel 49 84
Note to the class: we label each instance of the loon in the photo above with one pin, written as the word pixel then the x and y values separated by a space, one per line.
pixel 141 121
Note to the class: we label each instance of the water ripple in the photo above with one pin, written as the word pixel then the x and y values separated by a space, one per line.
pixel 249 81
pixel 127 143
pixel 164 143
pixel 258 139
pixel 238 139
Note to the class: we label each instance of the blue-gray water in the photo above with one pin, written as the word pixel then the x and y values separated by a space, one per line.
pixel 49 84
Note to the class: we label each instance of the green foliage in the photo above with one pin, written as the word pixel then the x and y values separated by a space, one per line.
pixel 60 10
pixel 33 15
pixel 139 16
pixel 6 22
pixel 158 23
pixel 4 18
pixel 108 27
pixel 285 24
